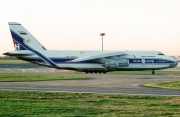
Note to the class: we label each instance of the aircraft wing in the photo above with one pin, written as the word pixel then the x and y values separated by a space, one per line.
pixel 99 56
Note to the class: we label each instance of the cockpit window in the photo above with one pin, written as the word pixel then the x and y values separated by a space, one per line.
pixel 159 53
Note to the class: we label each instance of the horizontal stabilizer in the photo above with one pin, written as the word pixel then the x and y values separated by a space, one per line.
pixel 18 53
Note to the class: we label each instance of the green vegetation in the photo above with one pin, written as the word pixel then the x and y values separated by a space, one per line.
pixel 36 77
pixel 36 104
pixel 169 85
pixel 148 72
pixel 13 62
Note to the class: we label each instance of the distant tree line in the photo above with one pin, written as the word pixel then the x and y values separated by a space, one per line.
pixel 7 58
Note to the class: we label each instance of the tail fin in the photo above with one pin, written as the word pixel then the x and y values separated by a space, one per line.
pixel 22 39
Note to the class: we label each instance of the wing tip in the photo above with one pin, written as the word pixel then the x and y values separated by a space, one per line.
pixel 14 23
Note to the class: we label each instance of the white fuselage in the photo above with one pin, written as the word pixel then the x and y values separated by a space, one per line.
pixel 138 60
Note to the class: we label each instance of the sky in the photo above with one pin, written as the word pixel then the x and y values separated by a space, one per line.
pixel 77 24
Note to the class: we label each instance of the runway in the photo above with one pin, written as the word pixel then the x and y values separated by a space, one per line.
pixel 99 83
pixel 145 91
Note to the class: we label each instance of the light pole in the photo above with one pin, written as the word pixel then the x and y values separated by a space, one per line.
pixel 102 34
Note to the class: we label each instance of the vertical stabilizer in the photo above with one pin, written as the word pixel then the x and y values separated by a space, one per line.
pixel 22 39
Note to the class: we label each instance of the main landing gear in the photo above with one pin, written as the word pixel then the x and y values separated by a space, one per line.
pixel 153 72
pixel 95 71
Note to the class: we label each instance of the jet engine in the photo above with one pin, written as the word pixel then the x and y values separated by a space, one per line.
pixel 116 63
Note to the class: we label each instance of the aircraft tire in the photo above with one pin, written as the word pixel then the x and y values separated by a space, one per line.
pixel 100 72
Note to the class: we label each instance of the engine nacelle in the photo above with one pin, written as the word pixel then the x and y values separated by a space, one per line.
pixel 116 63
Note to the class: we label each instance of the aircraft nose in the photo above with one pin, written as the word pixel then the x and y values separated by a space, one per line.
pixel 174 64
pixel 177 62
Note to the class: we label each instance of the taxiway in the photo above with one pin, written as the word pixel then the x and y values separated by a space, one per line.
pixel 99 83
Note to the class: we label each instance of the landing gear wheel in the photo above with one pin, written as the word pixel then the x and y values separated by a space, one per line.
pixel 100 72
pixel 153 72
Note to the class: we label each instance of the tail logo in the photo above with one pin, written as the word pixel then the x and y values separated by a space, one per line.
pixel 16 45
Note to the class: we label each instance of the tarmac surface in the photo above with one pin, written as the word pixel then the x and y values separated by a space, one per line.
pixel 99 83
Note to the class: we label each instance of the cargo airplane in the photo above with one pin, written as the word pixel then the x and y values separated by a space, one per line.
pixel 29 49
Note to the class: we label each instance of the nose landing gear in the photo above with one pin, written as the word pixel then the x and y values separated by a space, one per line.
pixel 153 72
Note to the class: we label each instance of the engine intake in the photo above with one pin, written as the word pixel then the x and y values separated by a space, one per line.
pixel 117 63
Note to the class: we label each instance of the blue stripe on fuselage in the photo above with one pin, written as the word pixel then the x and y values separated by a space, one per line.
pixel 55 60
pixel 64 60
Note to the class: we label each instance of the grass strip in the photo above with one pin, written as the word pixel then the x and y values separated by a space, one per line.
pixel 13 62
pixel 169 85
pixel 36 77
pixel 37 104
pixel 148 72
